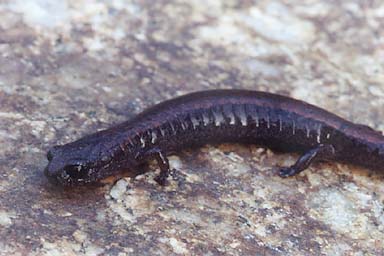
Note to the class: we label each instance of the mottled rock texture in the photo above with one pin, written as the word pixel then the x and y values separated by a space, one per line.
pixel 68 68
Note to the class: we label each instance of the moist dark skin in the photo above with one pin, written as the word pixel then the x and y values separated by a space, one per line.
pixel 212 117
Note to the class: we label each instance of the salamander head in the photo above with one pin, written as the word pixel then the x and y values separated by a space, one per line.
pixel 75 164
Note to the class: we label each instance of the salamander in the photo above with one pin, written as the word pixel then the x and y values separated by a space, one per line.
pixel 215 116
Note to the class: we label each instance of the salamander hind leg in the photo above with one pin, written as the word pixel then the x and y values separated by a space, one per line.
pixel 321 152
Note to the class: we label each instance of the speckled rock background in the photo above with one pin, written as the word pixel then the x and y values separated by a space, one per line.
pixel 68 68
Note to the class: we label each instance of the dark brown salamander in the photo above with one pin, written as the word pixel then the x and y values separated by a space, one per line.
pixel 217 116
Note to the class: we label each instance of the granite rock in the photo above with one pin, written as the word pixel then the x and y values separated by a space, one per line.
pixel 69 68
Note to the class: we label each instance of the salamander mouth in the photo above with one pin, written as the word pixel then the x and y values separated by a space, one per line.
pixel 51 178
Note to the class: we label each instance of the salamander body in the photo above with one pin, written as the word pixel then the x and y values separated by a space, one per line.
pixel 216 116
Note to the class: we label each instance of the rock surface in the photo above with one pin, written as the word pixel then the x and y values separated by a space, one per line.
pixel 68 68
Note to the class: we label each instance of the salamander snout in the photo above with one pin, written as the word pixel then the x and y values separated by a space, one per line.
pixel 65 167
pixel 52 152
pixel 52 170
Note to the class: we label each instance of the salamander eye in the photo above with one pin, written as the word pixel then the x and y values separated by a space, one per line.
pixel 75 171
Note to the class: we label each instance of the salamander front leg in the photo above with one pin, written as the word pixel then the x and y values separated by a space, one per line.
pixel 321 152
pixel 163 163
